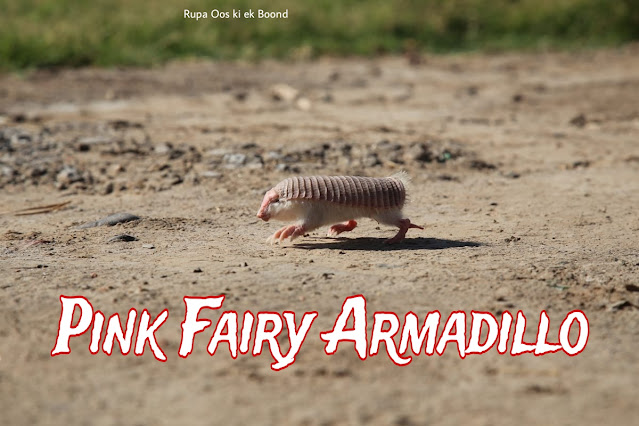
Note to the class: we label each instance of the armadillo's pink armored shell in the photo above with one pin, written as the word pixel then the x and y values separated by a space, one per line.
pixel 353 191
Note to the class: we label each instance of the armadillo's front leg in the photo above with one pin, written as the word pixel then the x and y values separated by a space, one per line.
pixel 404 225
pixel 335 230
pixel 292 231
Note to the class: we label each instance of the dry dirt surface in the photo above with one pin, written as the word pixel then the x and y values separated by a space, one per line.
pixel 525 171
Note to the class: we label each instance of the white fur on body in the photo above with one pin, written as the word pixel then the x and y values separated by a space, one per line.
pixel 315 214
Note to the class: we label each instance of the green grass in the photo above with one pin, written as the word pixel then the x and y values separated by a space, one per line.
pixel 48 33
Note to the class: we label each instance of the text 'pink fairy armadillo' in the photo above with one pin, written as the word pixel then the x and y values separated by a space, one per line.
pixel 351 191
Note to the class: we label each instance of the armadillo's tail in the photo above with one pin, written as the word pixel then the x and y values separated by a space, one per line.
pixel 403 177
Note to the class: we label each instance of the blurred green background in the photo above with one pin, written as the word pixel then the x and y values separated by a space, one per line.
pixel 46 33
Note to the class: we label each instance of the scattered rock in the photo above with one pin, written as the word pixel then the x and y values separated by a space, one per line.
pixel 284 92
pixel 85 143
pixel 632 287
pixel 122 238
pixel 125 124
pixel 371 160
pixel 82 147
pixel 303 103
pixel 472 90
pixel 67 176
pixel 175 179
pixel 37 171
pixel 148 246
pixel 211 174
pixel 620 305
pixel 481 165
pixel 241 96
pixel 19 118
pixel 163 148
pixel 577 164
pixel 234 160
pixel 108 188
pixel 115 169
pixel 273 156
pixel 538 389
pixel 255 162
pixel 110 220
pixel 7 171
pixel 448 178
pixel 420 152
pixel 579 121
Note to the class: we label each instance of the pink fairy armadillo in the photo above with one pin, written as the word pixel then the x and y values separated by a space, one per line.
pixel 315 201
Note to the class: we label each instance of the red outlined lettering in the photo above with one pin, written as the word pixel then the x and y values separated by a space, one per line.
pixel 114 330
pixel 542 346
pixel 410 333
pixel 262 335
pixel 296 337
pixel 269 326
pixel 504 332
pixel 564 332
pixel 456 320
pixel 519 346
pixel 147 333
pixel 247 328
pixel 379 335
pixel 96 332
pixel 478 319
pixel 65 326
pixel 355 305
pixel 227 321
pixel 191 324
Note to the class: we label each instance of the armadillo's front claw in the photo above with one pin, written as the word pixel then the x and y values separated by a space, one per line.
pixel 289 231
pixel 298 231
pixel 404 226
pixel 276 236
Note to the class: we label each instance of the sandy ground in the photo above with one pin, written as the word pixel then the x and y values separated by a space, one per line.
pixel 525 173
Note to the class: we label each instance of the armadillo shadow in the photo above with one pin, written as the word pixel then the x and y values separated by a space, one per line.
pixel 377 244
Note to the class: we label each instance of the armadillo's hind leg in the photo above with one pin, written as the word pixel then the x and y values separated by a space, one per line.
pixel 394 217
pixel 404 225
pixel 335 230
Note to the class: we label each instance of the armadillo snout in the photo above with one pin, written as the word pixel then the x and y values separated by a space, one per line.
pixel 270 196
